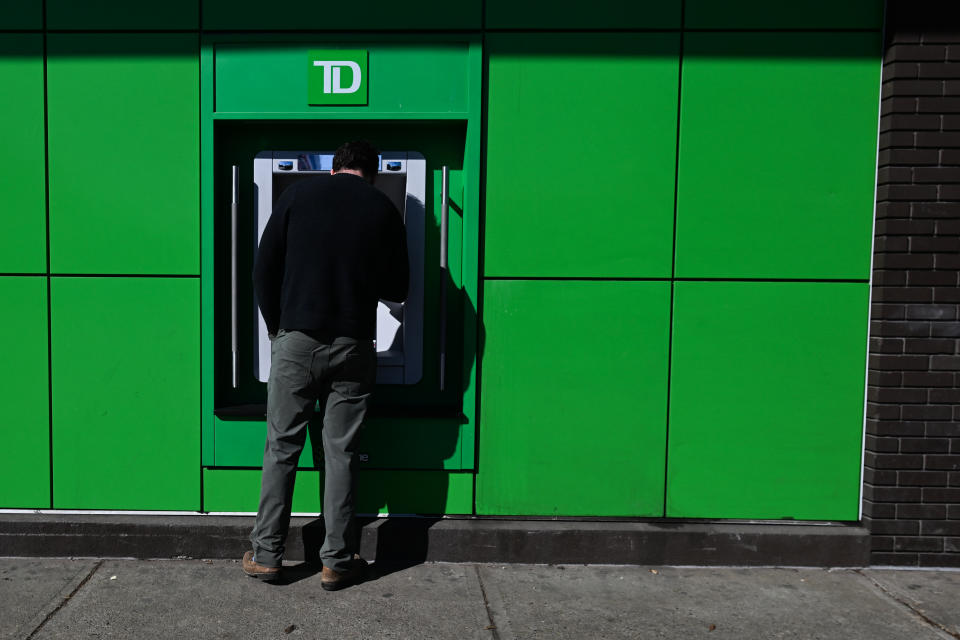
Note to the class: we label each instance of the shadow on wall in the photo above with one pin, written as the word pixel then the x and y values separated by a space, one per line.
pixel 719 45
pixel 423 440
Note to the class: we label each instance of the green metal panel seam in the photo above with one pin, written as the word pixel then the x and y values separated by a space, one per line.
pixel 46 206
pixel 471 239
pixel 469 251
pixel 200 252
pixel 306 115
pixel 481 179
pixel 873 239
pixel 673 264
pixel 207 79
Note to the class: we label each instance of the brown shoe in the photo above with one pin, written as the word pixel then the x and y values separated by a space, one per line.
pixel 332 580
pixel 259 571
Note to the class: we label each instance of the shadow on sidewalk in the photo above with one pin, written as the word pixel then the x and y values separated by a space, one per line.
pixel 396 544
pixel 401 543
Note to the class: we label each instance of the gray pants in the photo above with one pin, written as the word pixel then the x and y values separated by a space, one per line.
pixel 304 370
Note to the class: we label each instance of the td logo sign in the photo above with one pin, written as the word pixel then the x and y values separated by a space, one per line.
pixel 337 77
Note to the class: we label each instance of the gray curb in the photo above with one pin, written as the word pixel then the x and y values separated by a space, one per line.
pixel 411 540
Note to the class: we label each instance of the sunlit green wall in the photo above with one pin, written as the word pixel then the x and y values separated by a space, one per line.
pixel 677 205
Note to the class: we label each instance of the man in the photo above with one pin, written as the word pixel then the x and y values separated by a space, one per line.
pixel 332 248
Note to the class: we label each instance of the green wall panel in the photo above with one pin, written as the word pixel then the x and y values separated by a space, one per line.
pixel 570 14
pixel 573 408
pixel 766 400
pixel 420 492
pixel 375 14
pixel 122 14
pixel 763 14
pixel 580 154
pixel 397 492
pixel 23 243
pixel 21 15
pixel 126 393
pixel 778 143
pixel 239 490
pixel 402 78
pixel 124 153
pixel 391 443
pixel 239 443
pixel 25 474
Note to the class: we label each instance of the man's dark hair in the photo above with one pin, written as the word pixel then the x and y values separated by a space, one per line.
pixel 359 155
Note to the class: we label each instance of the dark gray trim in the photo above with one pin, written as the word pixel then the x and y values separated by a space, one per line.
pixel 414 540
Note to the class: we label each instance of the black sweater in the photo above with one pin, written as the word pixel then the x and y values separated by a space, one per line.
pixel 332 248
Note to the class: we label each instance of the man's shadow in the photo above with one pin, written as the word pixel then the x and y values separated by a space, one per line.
pixel 395 544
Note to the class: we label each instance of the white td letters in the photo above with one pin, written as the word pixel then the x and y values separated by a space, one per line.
pixel 331 75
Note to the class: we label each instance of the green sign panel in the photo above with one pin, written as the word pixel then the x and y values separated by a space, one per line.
pixel 337 77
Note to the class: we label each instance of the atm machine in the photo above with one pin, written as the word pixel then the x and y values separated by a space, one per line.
pixel 419 342
pixel 402 177
pixel 420 420
pixel 261 133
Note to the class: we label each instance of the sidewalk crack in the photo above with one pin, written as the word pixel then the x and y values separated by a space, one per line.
pixel 917 612
pixel 65 600
pixel 486 604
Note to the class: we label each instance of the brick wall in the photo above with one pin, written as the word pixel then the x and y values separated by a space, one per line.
pixel 912 475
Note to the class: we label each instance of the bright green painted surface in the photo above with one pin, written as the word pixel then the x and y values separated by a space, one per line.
pixel 421 78
pixel 375 14
pixel 207 261
pixel 398 443
pixel 570 14
pixel 580 155
pixel 425 492
pixel 573 409
pixel 239 490
pixel 766 402
pixel 21 15
pixel 124 153
pixel 778 145
pixel 763 14
pixel 25 474
pixel 122 14
pixel 126 393
pixel 239 443
pixel 23 243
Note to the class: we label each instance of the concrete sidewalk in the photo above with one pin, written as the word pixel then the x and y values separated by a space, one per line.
pixel 90 598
